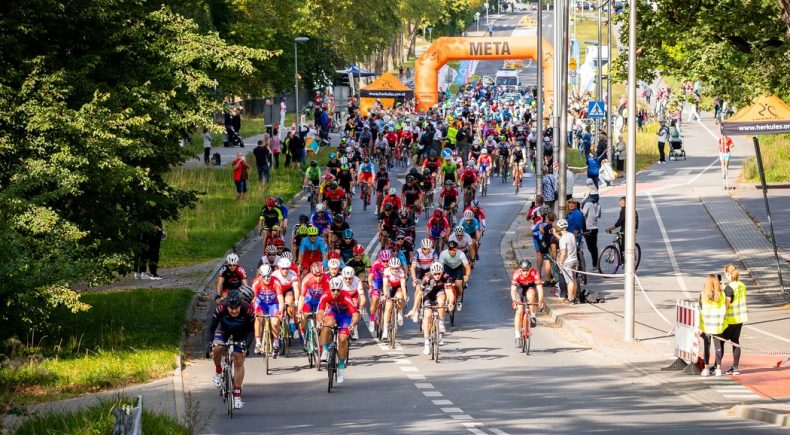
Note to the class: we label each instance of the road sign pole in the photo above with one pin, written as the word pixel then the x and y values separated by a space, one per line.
pixel 630 181
pixel 562 141
pixel 539 114
pixel 555 156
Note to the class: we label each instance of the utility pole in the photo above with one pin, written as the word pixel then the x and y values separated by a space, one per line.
pixel 599 81
pixel 562 134
pixel 557 90
pixel 297 40
pixel 630 181
pixel 539 107
pixel 609 129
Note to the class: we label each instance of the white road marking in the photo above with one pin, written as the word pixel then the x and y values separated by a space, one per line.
pixel 432 394
pixel 409 369
pixel 657 173
pixel 462 417
pixel 670 251
pixel 498 431
pixel 416 377
pixel 692 180
pixel 471 423
pixel 452 410
pixel 475 431
pixel 402 361
pixel 755 329
pixel 424 385
pixel 440 402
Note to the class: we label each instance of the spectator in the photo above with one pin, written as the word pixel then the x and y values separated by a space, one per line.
pixel 593 169
pixel 567 260
pixel 283 110
pixel 274 144
pixel 662 135
pixel 619 156
pixel 549 187
pixel 147 257
pixel 592 212
pixel 263 158
pixel 587 140
pixel 575 219
pixel 296 147
pixel 713 310
pixel 736 316
pixel 603 144
pixel 206 146
pixel 241 171
pixel 648 94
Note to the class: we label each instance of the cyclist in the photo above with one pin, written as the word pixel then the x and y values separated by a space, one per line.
pixel 382 183
pixel 312 175
pixel 485 163
pixel 346 245
pixel 270 222
pixel 479 214
pixel 427 184
pixel 289 283
pixel 231 276
pixel 438 228
pixel 232 318
pixel 448 198
pixel 517 161
pixel 267 301
pixel 477 149
pixel 449 170
pixel 279 243
pixel 525 286
pixel 345 179
pixel 299 232
pixel 392 198
pixel 271 258
pixel 353 286
pixel 568 258
pixel 334 198
pixel 724 146
pixel 465 241
pixel 336 230
pixel 359 262
pixel 404 225
pixel 313 249
pixel 365 173
pixel 386 225
pixel 333 164
pixel 313 285
pixel 456 265
pixel 432 291
pixel 412 195
pixel 421 262
pixel 469 181
pixel 321 220
pixel 432 164
pixel 375 283
pixel 620 223
pixel 472 227
pixel 280 203
pixel 337 309
pixel 394 286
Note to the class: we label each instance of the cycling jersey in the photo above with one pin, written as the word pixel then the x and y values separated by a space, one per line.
pixel 453 262
pixel 310 252
pixel 341 309
pixel 346 248
pixel 232 279
pixel 432 287
pixel 266 299
pixel 334 199
pixel 377 271
pixel 448 169
pixel 387 222
pixel 382 179
pixel 224 325
pixel 484 162
pixel 337 229
pixel 271 217
pixel 360 265
pixel 463 241
pixel 312 290
pixel 407 227
pixel 423 261
pixel 522 278
pixel 394 277
pixel 333 166
pixel 344 179
pixel 321 221
pixel 286 278
pixel 391 199
pixel 475 151
pixel 448 195
pixel 265 260
pixel 468 177
pixel 437 226
pixel 432 165
pixel 296 238
pixel 313 174
pixel 411 193
pixel 479 215
pixel 470 226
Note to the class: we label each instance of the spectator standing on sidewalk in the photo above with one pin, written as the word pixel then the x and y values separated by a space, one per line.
pixel 296 148
pixel 263 158
pixel 206 146
pixel 662 135
pixel 587 140
pixel 619 156
pixel 241 171
pixel 549 187
pixel 648 94
pixel 283 110
pixel 274 144
pixel 592 212
pixel 735 293
pixel 567 260
pixel 593 168
pixel 712 313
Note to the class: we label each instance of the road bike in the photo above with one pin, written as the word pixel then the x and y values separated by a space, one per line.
pixel 267 341
pixel 484 184
pixel 285 330
pixel 311 196
pixel 311 342
pixel 435 335
pixel 503 168
pixel 469 195
pixel 331 359
pixel 525 336
pixel 365 196
pixel 228 367
pixel 611 257
pixel 392 325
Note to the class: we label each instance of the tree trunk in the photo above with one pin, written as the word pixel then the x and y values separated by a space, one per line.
pixel 786 14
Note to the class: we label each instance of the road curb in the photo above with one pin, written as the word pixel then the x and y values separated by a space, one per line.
pixel 779 417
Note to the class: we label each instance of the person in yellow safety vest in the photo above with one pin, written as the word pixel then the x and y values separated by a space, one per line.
pixel 712 311
pixel 735 293
pixel 451 133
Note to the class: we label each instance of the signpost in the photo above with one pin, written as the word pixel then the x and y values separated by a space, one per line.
pixel 596 110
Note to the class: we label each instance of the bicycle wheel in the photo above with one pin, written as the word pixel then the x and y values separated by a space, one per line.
pixel 452 315
pixel 484 187
pixel 310 348
pixel 518 185
pixel 267 347
pixel 331 367
pixel 527 331
pixel 229 387
pixel 285 336
pixel 638 256
pixel 393 326
pixel 609 260
pixel 436 339
pixel 582 263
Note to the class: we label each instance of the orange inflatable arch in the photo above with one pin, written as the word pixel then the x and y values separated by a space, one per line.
pixel 426 68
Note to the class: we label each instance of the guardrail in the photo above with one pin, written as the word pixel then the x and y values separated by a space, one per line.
pixel 128 419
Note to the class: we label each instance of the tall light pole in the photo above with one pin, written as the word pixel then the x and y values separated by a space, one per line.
pixel 630 180
pixel 609 130
pixel 430 33
pixel 486 5
pixel 539 106
pixel 297 40
pixel 562 133
pixel 555 112
pixel 477 21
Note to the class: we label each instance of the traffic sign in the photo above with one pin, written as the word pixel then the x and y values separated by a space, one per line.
pixel 572 73
pixel 596 110
pixel 572 64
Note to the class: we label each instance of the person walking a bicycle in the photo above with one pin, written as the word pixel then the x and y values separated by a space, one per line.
pixel 336 309
pixel 525 287
pixel 620 223
pixel 232 318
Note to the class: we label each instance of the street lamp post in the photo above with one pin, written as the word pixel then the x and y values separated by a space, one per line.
pixel 539 115
pixel 297 40
pixel 430 33
pixel 487 23
pixel 477 21
pixel 630 182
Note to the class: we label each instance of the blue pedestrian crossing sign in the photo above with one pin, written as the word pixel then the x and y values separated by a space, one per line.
pixel 596 110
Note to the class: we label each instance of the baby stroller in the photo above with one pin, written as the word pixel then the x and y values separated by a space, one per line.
pixel 676 150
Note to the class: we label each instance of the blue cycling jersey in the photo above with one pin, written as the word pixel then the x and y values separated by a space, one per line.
pixel 471 226
pixel 367 168
pixel 309 246
pixel 321 222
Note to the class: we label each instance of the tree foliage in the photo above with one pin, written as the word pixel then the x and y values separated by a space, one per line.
pixel 94 97
pixel 738 48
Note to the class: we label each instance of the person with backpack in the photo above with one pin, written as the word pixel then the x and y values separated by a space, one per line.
pixel 663 136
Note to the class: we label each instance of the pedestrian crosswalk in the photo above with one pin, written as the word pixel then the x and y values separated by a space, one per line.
pixel 732 390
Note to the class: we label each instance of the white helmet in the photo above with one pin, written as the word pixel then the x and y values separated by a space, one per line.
pixel 437 267
pixel 344 160
pixel 333 263
pixel 427 243
pixel 348 272
pixel 336 283
pixel 393 191
pixel 284 263
pixel 484 151
pixel 265 270
pixel 394 263
pixel 232 259
pixel 319 207
pixel 459 230
pixel 562 224
pixel 468 214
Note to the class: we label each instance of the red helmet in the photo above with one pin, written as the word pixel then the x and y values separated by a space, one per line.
pixel 334 254
pixel 278 242
pixel 437 213
pixel 317 268
pixel 329 176
pixel 270 202
pixel 359 249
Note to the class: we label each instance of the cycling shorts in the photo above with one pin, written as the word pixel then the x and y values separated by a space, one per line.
pixel 365 177
pixel 455 273
pixel 219 335
pixel 343 321
pixel 431 297
pixel 524 288
pixel 272 309
pixel 420 273
pixel 310 304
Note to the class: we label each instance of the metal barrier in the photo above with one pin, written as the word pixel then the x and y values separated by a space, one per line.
pixel 686 331
pixel 129 420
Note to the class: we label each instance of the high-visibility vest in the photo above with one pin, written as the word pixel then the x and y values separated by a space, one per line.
pixel 736 313
pixel 451 133
pixel 711 315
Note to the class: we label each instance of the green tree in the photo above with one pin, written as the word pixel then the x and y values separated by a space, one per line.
pixel 94 97
pixel 738 48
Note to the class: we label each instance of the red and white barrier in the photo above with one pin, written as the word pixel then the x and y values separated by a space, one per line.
pixel 687 331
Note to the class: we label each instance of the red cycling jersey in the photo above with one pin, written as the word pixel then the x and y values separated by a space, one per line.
pixel 335 194
pixel 528 278
pixel 286 278
pixel 391 199
pixel 343 304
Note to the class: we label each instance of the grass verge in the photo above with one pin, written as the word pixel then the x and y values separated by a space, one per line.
pixel 775 150
pixel 250 126
pixel 97 419
pixel 646 149
pixel 126 337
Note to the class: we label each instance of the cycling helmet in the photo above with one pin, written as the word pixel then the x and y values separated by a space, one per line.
pixel 233 300
pixel 525 264
pixel 410 178
pixel 437 267
pixel 544 210
pixel 366 160
pixel 265 271
pixel 303 219
pixel 334 254
pixel 348 272
pixel 426 171
pixel 452 244
pixel 403 213
pixel 359 250
pixel 246 293
pixel 333 263
pixel 385 255
pixel 459 231
pixel 336 283
pixel 562 224
pixel 484 151
pixel 271 250
pixel 426 243
pixel 279 200
pixel 313 163
pixel 432 154
pixel 338 218
pixel 286 255
pixel 475 203
pixel 468 214
pixel 448 182
pixel 394 263
pixel 470 163
pixel 270 202
pixel 332 155
pixel 348 234
pixel 303 230
pixel 312 231
pixel 413 171
pixel 278 243
pixel 284 263
pixel 317 268
pixel 319 207
pixel 232 259
pixel 343 161
pixel 333 185
pixel 388 207
pixel 344 166
pixel 393 191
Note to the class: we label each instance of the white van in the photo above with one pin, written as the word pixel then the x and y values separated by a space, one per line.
pixel 506 77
